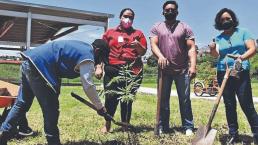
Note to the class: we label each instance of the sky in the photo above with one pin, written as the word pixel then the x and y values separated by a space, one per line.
pixel 198 14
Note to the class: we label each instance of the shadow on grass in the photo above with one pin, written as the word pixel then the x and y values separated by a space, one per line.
pixel 147 128
pixel 136 129
pixel 112 142
pixel 243 139
pixel 177 129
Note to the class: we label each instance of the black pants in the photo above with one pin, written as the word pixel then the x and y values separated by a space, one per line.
pixel 111 100
pixel 242 88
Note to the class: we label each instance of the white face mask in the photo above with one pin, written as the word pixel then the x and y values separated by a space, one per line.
pixel 126 23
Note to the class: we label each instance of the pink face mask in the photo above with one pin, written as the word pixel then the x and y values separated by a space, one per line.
pixel 126 23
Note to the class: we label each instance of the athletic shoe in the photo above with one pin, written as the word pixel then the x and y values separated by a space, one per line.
pixel 25 131
pixel 189 132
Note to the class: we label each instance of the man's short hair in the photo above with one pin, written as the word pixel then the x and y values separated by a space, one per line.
pixel 100 43
pixel 170 2
pixel 101 51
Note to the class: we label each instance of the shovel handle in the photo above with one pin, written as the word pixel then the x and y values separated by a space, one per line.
pixel 159 89
pixel 8 97
pixel 215 107
pixel 84 101
pixel 232 56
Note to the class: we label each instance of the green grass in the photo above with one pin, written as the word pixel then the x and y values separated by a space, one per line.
pixel 9 71
pixel 79 125
pixel 254 89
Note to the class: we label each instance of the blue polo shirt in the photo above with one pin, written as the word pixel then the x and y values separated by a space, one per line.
pixel 234 44
pixel 59 59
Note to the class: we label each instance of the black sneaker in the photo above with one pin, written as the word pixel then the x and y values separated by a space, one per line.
pixel 25 131
pixel 232 139
pixel 256 139
pixel 3 138
pixel 163 130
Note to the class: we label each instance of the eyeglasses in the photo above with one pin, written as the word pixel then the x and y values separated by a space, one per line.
pixel 127 16
pixel 169 10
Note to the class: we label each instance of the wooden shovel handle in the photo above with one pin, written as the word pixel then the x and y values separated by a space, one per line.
pixel 84 101
pixel 8 97
pixel 215 107
pixel 159 89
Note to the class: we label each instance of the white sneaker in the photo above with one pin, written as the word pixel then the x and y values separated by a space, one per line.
pixel 189 132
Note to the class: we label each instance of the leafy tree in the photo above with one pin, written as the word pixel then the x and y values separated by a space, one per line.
pixel 150 69
pixel 206 67
pixel 152 61
pixel 254 66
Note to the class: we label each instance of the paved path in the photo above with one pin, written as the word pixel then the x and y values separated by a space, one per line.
pixel 153 91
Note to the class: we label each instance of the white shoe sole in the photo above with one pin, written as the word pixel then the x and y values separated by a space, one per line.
pixel 25 134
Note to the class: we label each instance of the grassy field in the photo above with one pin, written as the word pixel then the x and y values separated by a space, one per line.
pixel 80 125
pixel 255 89
pixel 149 80
pixel 9 71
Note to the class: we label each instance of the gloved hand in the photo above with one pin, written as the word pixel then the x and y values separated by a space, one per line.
pixel 102 111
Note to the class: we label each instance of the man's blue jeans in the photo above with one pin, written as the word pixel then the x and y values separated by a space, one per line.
pixel 182 82
pixel 242 88
pixel 34 85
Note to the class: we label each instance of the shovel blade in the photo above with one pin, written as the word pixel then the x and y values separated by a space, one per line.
pixel 204 136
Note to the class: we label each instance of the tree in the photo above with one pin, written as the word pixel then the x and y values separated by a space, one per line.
pixel 129 84
pixel 254 66
pixel 206 67
pixel 152 61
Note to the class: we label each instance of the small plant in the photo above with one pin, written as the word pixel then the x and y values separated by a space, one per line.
pixel 130 82
pixel 127 91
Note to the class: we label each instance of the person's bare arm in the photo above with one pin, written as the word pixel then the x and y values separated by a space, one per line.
pixel 192 57
pixel 251 50
pixel 162 61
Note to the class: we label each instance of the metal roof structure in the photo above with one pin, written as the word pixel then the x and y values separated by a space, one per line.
pixel 26 24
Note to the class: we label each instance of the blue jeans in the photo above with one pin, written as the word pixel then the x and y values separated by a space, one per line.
pixel 34 85
pixel 242 88
pixel 182 82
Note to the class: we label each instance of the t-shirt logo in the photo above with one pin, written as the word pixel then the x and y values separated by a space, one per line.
pixel 120 39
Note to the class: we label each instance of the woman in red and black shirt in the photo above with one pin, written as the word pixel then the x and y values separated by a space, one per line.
pixel 126 45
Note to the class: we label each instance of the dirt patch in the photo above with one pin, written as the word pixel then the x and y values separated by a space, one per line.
pixel 8 89
pixel 4 92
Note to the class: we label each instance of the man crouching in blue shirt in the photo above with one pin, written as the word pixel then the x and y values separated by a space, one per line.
pixel 42 71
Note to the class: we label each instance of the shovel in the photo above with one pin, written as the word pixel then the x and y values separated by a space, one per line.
pixel 123 124
pixel 205 135
pixel 156 129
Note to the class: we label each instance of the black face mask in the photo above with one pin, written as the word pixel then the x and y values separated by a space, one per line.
pixel 227 25
pixel 170 15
